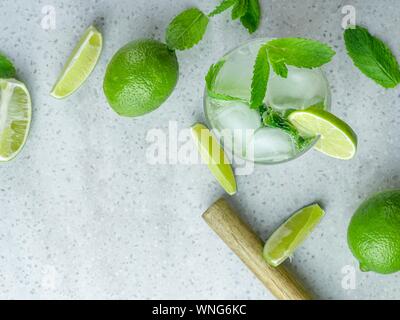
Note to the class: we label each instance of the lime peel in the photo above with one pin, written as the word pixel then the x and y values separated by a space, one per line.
pixel 140 77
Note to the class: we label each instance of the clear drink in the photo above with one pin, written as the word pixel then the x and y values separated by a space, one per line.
pixel 239 128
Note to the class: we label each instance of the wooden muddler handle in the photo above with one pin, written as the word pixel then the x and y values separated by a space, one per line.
pixel 249 247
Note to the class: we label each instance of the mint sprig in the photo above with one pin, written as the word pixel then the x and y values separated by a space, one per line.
pixel 299 52
pixel 372 56
pixel 187 29
pixel 278 54
pixel 248 11
pixel 7 69
pixel 274 119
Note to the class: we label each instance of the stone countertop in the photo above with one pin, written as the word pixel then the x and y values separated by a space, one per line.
pixel 83 214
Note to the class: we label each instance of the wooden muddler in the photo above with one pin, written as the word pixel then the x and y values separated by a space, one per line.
pixel 249 247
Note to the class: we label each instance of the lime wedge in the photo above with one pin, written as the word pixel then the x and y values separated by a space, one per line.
pixel 292 234
pixel 337 139
pixel 80 64
pixel 214 156
pixel 15 117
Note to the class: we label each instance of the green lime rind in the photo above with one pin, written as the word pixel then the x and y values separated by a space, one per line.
pixel 292 234
pixel 214 156
pixel 80 64
pixel 15 118
pixel 140 77
pixel 336 138
pixel 374 233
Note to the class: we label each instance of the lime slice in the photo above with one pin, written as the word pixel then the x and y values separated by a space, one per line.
pixel 80 64
pixel 337 139
pixel 214 156
pixel 292 234
pixel 15 117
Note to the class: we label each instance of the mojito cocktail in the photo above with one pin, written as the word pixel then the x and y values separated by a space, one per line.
pixel 249 133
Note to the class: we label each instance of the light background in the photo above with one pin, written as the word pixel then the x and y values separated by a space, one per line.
pixel 82 215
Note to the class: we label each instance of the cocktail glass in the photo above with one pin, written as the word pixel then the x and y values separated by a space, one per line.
pixel 239 128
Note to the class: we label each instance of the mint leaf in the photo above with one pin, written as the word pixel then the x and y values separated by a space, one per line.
pixel 372 56
pixel 240 9
pixel 251 20
pixel 280 68
pixel 7 69
pixel 210 83
pixel 259 82
pixel 299 52
pixel 274 119
pixel 223 6
pixel 186 29
pixel 212 74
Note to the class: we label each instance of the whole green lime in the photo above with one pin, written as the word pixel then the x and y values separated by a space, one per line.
pixel 140 77
pixel 374 233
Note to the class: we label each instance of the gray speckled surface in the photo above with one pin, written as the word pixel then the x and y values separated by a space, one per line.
pixel 82 215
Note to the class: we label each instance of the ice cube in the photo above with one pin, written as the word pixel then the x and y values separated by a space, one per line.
pixel 235 124
pixel 234 78
pixel 236 115
pixel 271 144
pixel 301 89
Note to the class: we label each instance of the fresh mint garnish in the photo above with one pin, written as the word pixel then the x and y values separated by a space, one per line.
pixel 274 119
pixel 299 52
pixel 247 10
pixel 372 56
pixel 259 83
pixel 7 69
pixel 187 29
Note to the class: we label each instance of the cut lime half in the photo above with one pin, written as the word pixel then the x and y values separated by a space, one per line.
pixel 336 140
pixel 80 64
pixel 284 241
pixel 214 156
pixel 15 117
